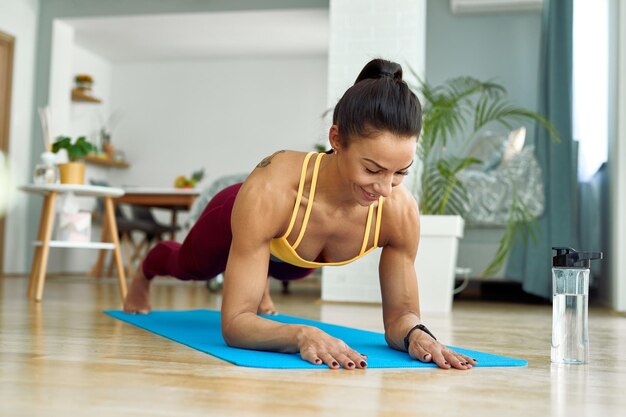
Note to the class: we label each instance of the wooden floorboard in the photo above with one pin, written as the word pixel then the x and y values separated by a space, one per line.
pixel 64 357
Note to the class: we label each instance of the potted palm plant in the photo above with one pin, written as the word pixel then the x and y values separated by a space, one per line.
pixel 73 172
pixel 455 114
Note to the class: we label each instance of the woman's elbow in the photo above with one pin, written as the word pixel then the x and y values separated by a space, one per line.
pixel 229 333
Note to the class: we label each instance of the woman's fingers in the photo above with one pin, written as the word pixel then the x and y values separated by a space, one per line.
pixel 457 360
pixel 359 360
pixel 329 360
pixel 469 360
pixel 419 352
pixel 310 355
pixel 428 350
pixel 447 359
pixel 349 360
pixel 440 359
pixel 321 348
pixel 345 361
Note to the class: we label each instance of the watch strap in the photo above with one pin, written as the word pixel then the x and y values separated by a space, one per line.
pixel 420 327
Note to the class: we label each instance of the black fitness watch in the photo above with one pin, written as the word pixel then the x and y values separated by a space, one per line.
pixel 422 328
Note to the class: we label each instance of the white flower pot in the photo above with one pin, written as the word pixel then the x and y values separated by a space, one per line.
pixel 435 265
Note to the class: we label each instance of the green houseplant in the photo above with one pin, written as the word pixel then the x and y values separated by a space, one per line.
pixel 455 114
pixel 73 172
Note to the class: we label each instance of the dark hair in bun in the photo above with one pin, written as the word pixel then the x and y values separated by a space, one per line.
pixel 379 101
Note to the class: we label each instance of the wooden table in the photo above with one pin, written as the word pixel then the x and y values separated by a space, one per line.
pixel 109 238
pixel 174 199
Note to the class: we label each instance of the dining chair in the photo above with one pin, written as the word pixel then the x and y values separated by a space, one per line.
pixel 154 232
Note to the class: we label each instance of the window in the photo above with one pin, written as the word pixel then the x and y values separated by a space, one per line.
pixel 590 84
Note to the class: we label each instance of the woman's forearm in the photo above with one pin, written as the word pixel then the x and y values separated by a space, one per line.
pixel 249 331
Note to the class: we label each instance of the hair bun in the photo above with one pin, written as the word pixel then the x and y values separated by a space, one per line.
pixel 379 101
pixel 380 68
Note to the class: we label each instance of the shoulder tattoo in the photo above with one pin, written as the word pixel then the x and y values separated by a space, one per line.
pixel 268 160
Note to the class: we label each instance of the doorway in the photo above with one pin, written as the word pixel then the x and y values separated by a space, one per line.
pixel 7 46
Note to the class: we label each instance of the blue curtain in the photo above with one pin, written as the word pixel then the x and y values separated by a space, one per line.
pixel 531 263
pixel 594 222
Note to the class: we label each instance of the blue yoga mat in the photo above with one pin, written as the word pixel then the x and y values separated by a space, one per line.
pixel 201 330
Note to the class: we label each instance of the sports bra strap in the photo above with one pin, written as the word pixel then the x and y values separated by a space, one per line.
pixel 309 205
pixel 367 229
pixel 379 215
pixel 296 207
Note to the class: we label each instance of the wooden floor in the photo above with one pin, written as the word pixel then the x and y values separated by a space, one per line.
pixel 64 357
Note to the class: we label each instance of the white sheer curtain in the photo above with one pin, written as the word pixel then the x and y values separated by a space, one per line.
pixel 590 84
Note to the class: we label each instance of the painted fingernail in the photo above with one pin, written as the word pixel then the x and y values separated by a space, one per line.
pixel 350 365
pixel 363 364
pixel 446 363
pixel 475 360
pixel 335 364
pixel 318 361
pixel 426 356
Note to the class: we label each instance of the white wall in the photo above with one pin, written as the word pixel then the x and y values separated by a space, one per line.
pixel 60 78
pixel 223 115
pixel 18 18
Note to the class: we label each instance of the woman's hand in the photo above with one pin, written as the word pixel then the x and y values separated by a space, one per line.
pixel 319 347
pixel 426 349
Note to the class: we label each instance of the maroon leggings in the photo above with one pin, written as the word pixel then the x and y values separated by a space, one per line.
pixel 204 252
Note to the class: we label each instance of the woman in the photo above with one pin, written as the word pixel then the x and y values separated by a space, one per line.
pixel 347 203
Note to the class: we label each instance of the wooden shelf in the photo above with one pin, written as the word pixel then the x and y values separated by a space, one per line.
pixel 107 162
pixel 81 95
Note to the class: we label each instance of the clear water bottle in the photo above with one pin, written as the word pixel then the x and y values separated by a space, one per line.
pixel 570 300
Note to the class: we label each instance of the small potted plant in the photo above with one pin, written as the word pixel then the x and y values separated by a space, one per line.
pixel 73 172
pixel 83 81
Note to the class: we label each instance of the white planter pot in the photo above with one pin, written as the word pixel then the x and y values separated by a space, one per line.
pixel 435 265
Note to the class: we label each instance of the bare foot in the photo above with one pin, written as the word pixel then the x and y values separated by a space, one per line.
pixel 267 305
pixel 137 300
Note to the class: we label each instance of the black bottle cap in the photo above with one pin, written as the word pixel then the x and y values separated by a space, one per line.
pixel 569 257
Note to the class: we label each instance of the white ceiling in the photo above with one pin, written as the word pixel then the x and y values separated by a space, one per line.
pixel 205 35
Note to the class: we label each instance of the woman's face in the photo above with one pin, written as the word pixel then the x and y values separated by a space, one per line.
pixel 372 167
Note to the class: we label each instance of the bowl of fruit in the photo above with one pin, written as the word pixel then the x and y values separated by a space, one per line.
pixel 185 182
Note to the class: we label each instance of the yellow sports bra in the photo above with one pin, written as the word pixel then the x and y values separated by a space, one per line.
pixel 283 250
